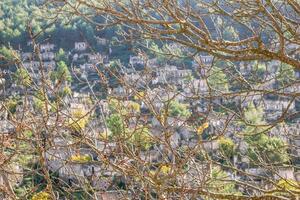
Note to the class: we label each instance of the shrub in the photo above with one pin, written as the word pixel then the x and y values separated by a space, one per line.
pixel 227 147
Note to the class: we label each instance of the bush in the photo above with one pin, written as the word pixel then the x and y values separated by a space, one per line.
pixel 178 109
pixel 141 138
pixel 271 150
pixel 11 105
pixel 227 147
pixel 115 124
pixel 22 77
pixel 79 120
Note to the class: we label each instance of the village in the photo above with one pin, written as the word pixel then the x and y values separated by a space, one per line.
pixel 144 95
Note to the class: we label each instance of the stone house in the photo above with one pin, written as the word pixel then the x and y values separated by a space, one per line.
pixel 87 67
pixel 257 176
pixel 195 87
pixel 136 60
pixel 152 63
pixel 34 68
pixel 210 146
pixel 80 46
pixel 152 155
pixel 29 43
pixel 75 57
pixel 101 41
pixel 120 91
pixel 11 175
pixel 26 56
pixel 274 108
pixel 81 97
pixel 48 55
pixel 137 79
pixel 287 173
pixel 114 195
pixel 31 64
pixel 47 47
pixel 202 61
pixel 170 74
pixel 49 65
pixel 206 60
pixel 96 58
pixel 6 127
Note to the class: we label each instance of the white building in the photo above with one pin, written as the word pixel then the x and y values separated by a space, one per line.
pixel 26 56
pixel 195 87
pixel 46 47
pixel 136 60
pixel 87 67
pixel 96 58
pixel 75 57
pixel 203 62
pixel 170 74
pixel 278 105
pixel 34 66
pixel 101 41
pixel 206 60
pixel 80 46
pixel 47 55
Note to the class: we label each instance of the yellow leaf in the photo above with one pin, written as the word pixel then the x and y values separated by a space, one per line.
pixel 152 173
pixel 105 135
pixel 81 158
pixel 288 184
pixel 139 95
pixel 165 169
pixel 201 128
pixel 79 119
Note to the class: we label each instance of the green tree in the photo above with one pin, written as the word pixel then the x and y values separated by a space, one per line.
pixel 39 100
pixel 272 150
pixel 38 104
pixel 177 109
pixel 218 183
pixel 261 147
pixel 7 53
pixel 253 114
pixel 259 72
pixel 217 79
pixel 141 138
pixel 116 124
pixel 78 120
pixel 227 147
pixel 61 73
pixel 11 104
pixel 61 56
pixel 66 91
pixel 167 53
pixel 285 74
pixel 22 77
